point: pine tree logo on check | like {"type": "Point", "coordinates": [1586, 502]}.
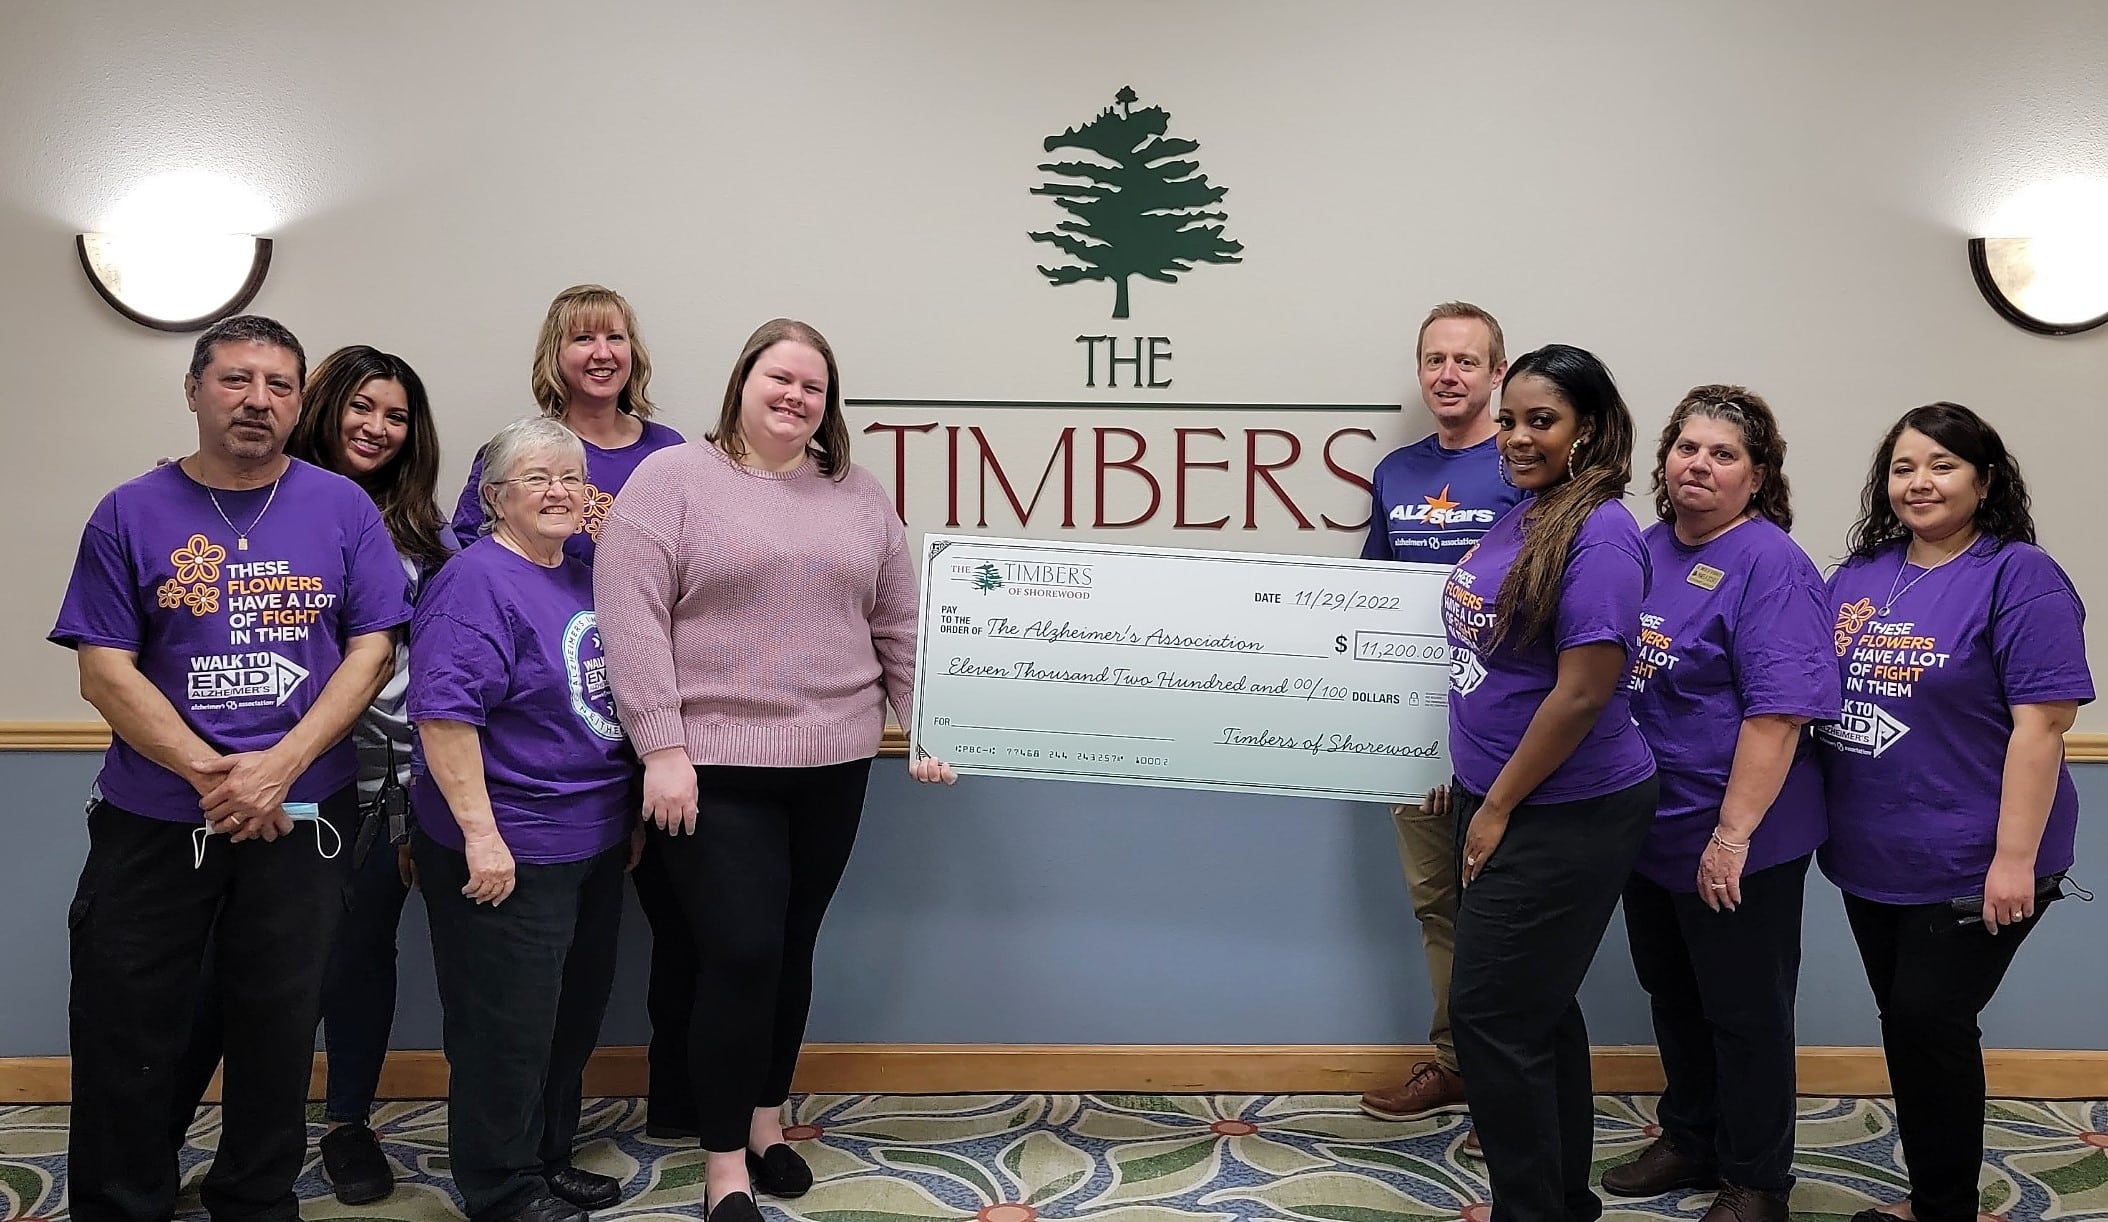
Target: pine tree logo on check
{"type": "Point", "coordinates": [1141, 211]}
{"type": "Point", "coordinates": [987, 577]}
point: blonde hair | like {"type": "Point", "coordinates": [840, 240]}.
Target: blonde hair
{"type": "Point", "coordinates": [574, 307]}
{"type": "Point", "coordinates": [1464, 309]}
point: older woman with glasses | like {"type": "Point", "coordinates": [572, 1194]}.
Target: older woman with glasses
{"type": "Point", "coordinates": [525, 791]}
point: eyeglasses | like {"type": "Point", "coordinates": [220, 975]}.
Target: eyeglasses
{"type": "Point", "coordinates": [539, 483]}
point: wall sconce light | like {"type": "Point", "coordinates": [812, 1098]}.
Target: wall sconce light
{"type": "Point", "coordinates": [175, 282]}
{"type": "Point", "coordinates": [2051, 286]}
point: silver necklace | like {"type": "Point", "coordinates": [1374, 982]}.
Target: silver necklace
{"type": "Point", "coordinates": [241, 537]}
{"type": "Point", "coordinates": [1894, 593]}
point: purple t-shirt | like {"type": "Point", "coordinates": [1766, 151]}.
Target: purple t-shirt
{"type": "Point", "coordinates": [1914, 770]}
{"type": "Point", "coordinates": [502, 643]}
{"type": "Point", "coordinates": [606, 472]}
{"type": "Point", "coordinates": [1494, 693]}
{"type": "Point", "coordinates": [241, 642]}
{"type": "Point", "coordinates": [1432, 504]}
{"type": "Point", "coordinates": [1733, 628]}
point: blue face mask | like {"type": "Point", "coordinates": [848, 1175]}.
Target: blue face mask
{"type": "Point", "coordinates": [298, 812]}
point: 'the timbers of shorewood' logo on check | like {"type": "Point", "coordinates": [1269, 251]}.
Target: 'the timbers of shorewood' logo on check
{"type": "Point", "coordinates": [1143, 210]}
{"type": "Point", "coordinates": [243, 677]}
{"type": "Point", "coordinates": [1022, 578]}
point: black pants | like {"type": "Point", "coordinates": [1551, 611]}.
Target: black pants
{"type": "Point", "coordinates": [140, 924]}
{"type": "Point", "coordinates": [754, 881]}
{"type": "Point", "coordinates": [358, 999]}
{"type": "Point", "coordinates": [522, 989]}
{"type": "Point", "coordinates": [669, 996]}
{"type": "Point", "coordinates": [1723, 987]}
{"type": "Point", "coordinates": [1527, 930]}
{"type": "Point", "coordinates": [1931, 979]}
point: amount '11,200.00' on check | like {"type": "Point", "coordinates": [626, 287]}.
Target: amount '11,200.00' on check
{"type": "Point", "coordinates": [1294, 675]}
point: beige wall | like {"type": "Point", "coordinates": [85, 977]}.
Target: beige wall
{"type": "Point", "coordinates": [1775, 194]}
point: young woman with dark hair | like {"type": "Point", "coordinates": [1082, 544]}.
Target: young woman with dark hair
{"type": "Point", "coordinates": [1962, 651]}
{"type": "Point", "coordinates": [1554, 789]}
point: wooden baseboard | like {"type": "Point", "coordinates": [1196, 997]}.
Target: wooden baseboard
{"type": "Point", "coordinates": [935, 1069]}
{"type": "Point", "coordinates": [94, 736]}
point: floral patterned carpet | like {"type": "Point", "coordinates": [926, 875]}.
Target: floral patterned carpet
{"type": "Point", "coordinates": [1141, 1158]}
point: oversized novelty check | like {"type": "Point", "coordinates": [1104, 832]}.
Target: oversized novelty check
{"type": "Point", "coordinates": [1207, 670]}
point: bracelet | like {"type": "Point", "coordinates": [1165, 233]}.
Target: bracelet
{"type": "Point", "coordinates": [1729, 845]}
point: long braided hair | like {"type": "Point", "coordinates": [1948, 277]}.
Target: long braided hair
{"type": "Point", "coordinates": [1599, 468]}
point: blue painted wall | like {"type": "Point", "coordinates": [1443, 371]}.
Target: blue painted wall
{"type": "Point", "coordinates": [1027, 912]}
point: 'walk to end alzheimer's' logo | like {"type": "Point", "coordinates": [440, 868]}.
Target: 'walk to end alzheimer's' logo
{"type": "Point", "coordinates": [1142, 211]}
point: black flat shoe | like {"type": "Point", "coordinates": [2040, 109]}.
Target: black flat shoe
{"type": "Point", "coordinates": [353, 1164]}
{"type": "Point", "coordinates": [779, 1171]}
{"type": "Point", "coordinates": [585, 1189]}
{"type": "Point", "coordinates": [540, 1207]}
{"type": "Point", "coordinates": [738, 1207]}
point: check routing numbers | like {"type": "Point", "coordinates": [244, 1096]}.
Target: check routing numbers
{"type": "Point", "coordinates": [1158, 666]}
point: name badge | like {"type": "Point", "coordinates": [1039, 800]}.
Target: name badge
{"type": "Point", "coordinates": [1705, 577]}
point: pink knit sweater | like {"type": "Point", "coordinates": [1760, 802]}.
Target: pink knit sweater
{"type": "Point", "coordinates": [753, 617]}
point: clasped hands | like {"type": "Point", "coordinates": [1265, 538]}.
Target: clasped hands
{"type": "Point", "coordinates": [242, 794]}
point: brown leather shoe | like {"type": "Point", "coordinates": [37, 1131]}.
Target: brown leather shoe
{"type": "Point", "coordinates": [1430, 1090]}
{"type": "Point", "coordinates": [1470, 1148]}
{"type": "Point", "coordinates": [1659, 1169]}
{"type": "Point", "coordinates": [1738, 1204]}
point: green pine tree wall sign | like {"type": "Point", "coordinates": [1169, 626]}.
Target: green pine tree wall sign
{"type": "Point", "coordinates": [1147, 213]}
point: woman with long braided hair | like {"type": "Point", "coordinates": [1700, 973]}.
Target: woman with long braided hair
{"type": "Point", "coordinates": [1554, 789]}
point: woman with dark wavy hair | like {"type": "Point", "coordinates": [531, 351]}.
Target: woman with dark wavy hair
{"type": "Point", "coordinates": [1731, 666]}
{"type": "Point", "coordinates": [1952, 816]}
{"type": "Point", "coordinates": [1554, 787]}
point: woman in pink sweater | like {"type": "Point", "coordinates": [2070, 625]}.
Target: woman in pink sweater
{"type": "Point", "coordinates": [757, 606]}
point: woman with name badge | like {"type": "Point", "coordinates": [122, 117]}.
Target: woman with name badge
{"type": "Point", "coordinates": [525, 791]}
{"type": "Point", "coordinates": [365, 416]}
{"type": "Point", "coordinates": [1952, 816]}
{"type": "Point", "coordinates": [758, 601]}
{"type": "Point", "coordinates": [593, 373]}
{"type": "Point", "coordinates": [1731, 665]}
{"type": "Point", "coordinates": [1554, 788]}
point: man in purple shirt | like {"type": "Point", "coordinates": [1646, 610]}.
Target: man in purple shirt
{"type": "Point", "coordinates": [230, 649]}
{"type": "Point", "coordinates": [1433, 499]}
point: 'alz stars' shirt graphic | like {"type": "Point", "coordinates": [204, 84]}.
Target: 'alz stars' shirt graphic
{"type": "Point", "coordinates": [1429, 505]}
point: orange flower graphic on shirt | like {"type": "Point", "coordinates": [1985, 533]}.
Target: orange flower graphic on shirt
{"type": "Point", "coordinates": [203, 600]}
{"type": "Point", "coordinates": [197, 560]}
{"type": "Point", "coordinates": [1851, 617]}
{"type": "Point", "coordinates": [169, 595]}
{"type": "Point", "coordinates": [597, 505]}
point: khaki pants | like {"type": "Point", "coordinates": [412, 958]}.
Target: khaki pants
{"type": "Point", "coordinates": [1427, 845]}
